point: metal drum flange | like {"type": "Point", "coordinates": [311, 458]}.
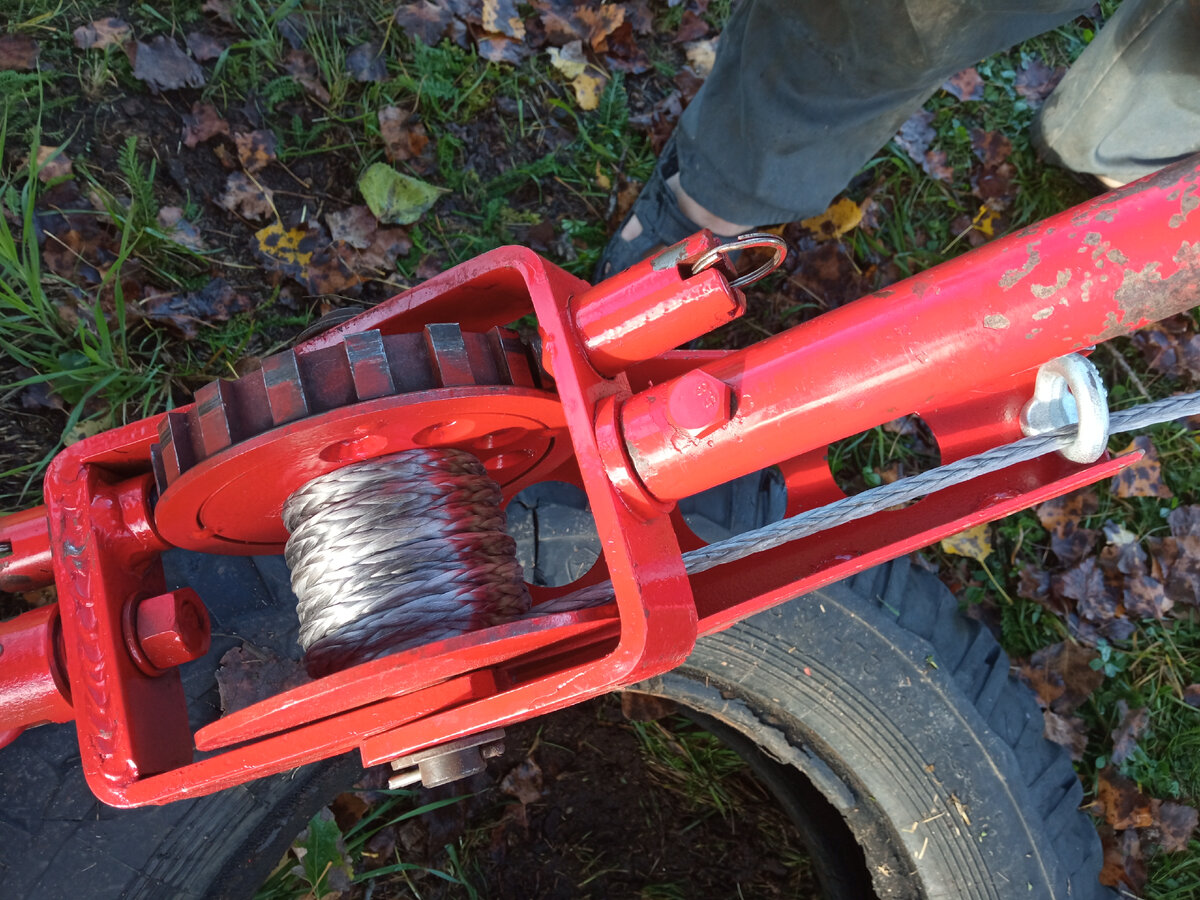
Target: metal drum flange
{"type": "Point", "coordinates": [225, 465]}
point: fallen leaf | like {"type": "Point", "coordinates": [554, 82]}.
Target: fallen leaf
{"type": "Point", "coordinates": [1071, 542]}
{"type": "Point", "coordinates": [348, 810]}
{"type": "Point", "coordinates": [623, 52]}
{"type": "Point", "coordinates": [324, 862]}
{"type": "Point", "coordinates": [355, 226]}
{"type": "Point", "coordinates": [103, 33]}
{"type": "Point", "coordinates": [52, 163]}
{"type": "Point", "coordinates": [217, 301]}
{"type": "Point", "coordinates": [569, 59]}
{"type": "Point", "coordinates": [974, 542]}
{"type": "Point", "coordinates": [394, 197]}
{"type": "Point", "coordinates": [638, 707]}
{"type": "Point", "coordinates": [566, 21]}
{"type": "Point", "coordinates": [502, 49]}
{"type": "Point", "coordinates": [386, 247]}
{"type": "Point", "coordinates": [589, 87]}
{"type": "Point", "coordinates": [965, 85]}
{"type": "Point", "coordinates": [163, 66]}
{"type": "Point", "coordinates": [501, 17]}
{"type": "Point", "coordinates": [524, 782]}
{"type": "Point", "coordinates": [701, 56]}
{"type": "Point", "coordinates": [1035, 81]}
{"type": "Point", "coordinates": [1084, 583]}
{"type": "Point", "coordinates": [18, 52]}
{"type": "Point", "coordinates": [1068, 508]}
{"type": "Point", "coordinates": [301, 65]}
{"type": "Point", "coordinates": [1142, 478]}
{"type": "Point", "coordinates": [256, 149]}
{"type": "Point", "coordinates": [1062, 676]}
{"type": "Point", "coordinates": [692, 27]}
{"type": "Point", "coordinates": [247, 198]}
{"type": "Point", "coordinates": [202, 123]}
{"type": "Point", "coordinates": [1146, 598]}
{"type": "Point", "coordinates": [426, 21]}
{"type": "Point", "coordinates": [179, 230]}
{"type": "Point", "coordinates": [366, 63]}
{"type": "Point", "coordinates": [1123, 864]}
{"type": "Point", "coordinates": [289, 250]}
{"type": "Point", "coordinates": [991, 147]}
{"type": "Point", "coordinates": [916, 134]}
{"type": "Point", "coordinates": [841, 218]}
{"type": "Point", "coordinates": [936, 165]}
{"type": "Point", "coordinates": [1174, 824]}
{"type": "Point", "coordinates": [1126, 734]}
{"type": "Point", "coordinates": [222, 9]}
{"type": "Point", "coordinates": [1184, 521]}
{"type": "Point", "coordinates": [1120, 802]}
{"type": "Point", "coordinates": [404, 136]}
{"type": "Point", "coordinates": [1066, 731]}
{"type": "Point", "coordinates": [204, 46]}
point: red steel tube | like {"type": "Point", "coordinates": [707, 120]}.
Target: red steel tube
{"type": "Point", "coordinates": [1094, 272]}
{"type": "Point", "coordinates": [33, 683]}
{"type": "Point", "coordinates": [25, 562]}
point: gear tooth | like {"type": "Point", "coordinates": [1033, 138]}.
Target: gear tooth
{"type": "Point", "coordinates": [212, 415]}
{"type": "Point", "coordinates": [369, 368]}
{"type": "Point", "coordinates": [253, 413]}
{"type": "Point", "coordinates": [409, 362]}
{"type": "Point", "coordinates": [157, 467]}
{"type": "Point", "coordinates": [327, 378]}
{"type": "Point", "coordinates": [448, 353]}
{"type": "Point", "coordinates": [511, 358]}
{"type": "Point", "coordinates": [286, 398]}
{"type": "Point", "coordinates": [176, 451]}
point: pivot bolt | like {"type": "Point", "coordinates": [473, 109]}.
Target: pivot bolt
{"type": "Point", "coordinates": [448, 762]}
{"type": "Point", "coordinates": [172, 628]}
{"type": "Point", "coordinates": [699, 403]}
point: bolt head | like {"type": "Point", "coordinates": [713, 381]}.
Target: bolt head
{"type": "Point", "coordinates": [173, 628]}
{"type": "Point", "coordinates": [699, 403]}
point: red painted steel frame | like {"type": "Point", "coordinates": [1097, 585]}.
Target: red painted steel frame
{"type": "Point", "coordinates": [955, 344]}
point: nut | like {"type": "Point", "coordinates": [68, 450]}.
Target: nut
{"type": "Point", "coordinates": [173, 628]}
{"type": "Point", "coordinates": [699, 403]}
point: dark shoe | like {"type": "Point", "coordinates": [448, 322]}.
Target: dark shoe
{"type": "Point", "coordinates": [658, 211]}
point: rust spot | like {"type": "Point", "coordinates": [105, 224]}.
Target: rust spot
{"type": "Point", "coordinates": [1188, 202]}
{"type": "Point", "coordinates": [1146, 296]}
{"type": "Point", "coordinates": [1046, 291]}
{"type": "Point", "coordinates": [1012, 276]}
{"type": "Point", "coordinates": [1106, 215]}
{"type": "Point", "coordinates": [1092, 238]}
{"type": "Point", "coordinates": [996, 321]}
{"type": "Point", "coordinates": [1118, 257]}
{"type": "Point", "coordinates": [1043, 313]}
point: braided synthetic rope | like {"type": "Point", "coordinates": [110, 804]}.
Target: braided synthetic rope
{"type": "Point", "coordinates": [886, 496]}
{"type": "Point", "coordinates": [396, 552]}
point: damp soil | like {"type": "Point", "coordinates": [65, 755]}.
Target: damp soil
{"type": "Point", "coordinates": [577, 808]}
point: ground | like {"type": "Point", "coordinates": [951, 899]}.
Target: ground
{"type": "Point", "coordinates": [173, 215]}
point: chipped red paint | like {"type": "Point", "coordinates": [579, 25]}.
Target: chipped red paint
{"type": "Point", "coordinates": [958, 344]}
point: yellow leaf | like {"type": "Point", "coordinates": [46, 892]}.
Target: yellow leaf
{"type": "Point", "coordinates": [843, 216]}
{"type": "Point", "coordinates": [985, 221]}
{"type": "Point", "coordinates": [588, 88]}
{"type": "Point", "coordinates": [569, 60]}
{"type": "Point", "coordinates": [974, 542]}
{"type": "Point", "coordinates": [701, 55]}
{"type": "Point", "coordinates": [291, 249]}
{"type": "Point", "coordinates": [602, 180]}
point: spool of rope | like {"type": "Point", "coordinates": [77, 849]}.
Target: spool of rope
{"type": "Point", "coordinates": [395, 552]}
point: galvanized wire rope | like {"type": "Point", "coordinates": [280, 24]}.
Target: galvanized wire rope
{"type": "Point", "coordinates": [395, 552]}
{"type": "Point", "coordinates": [886, 496]}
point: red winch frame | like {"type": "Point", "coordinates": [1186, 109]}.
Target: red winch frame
{"type": "Point", "coordinates": [636, 423]}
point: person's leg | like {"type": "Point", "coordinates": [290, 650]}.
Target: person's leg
{"type": "Point", "coordinates": [1131, 103]}
{"type": "Point", "coordinates": [802, 94]}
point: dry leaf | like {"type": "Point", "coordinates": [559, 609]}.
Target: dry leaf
{"type": "Point", "coordinates": [701, 56]}
{"type": "Point", "coordinates": [180, 230]}
{"type": "Point", "coordinates": [366, 63]}
{"type": "Point", "coordinates": [355, 226]}
{"type": "Point", "coordinates": [991, 147]}
{"type": "Point", "coordinates": [301, 65]}
{"type": "Point", "coordinates": [204, 46]}
{"type": "Point", "coordinates": [52, 163]}
{"type": "Point", "coordinates": [1142, 478]}
{"type": "Point", "coordinates": [1174, 824]}
{"type": "Point", "coordinates": [524, 782]}
{"type": "Point", "coordinates": [1061, 675]}
{"type": "Point", "coordinates": [1066, 731]}
{"type": "Point", "coordinates": [1120, 802]}
{"type": "Point", "coordinates": [18, 52]}
{"type": "Point", "coordinates": [841, 218]}
{"type": "Point", "coordinates": [256, 149]}
{"type": "Point", "coordinates": [247, 198]}
{"type": "Point", "coordinates": [202, 123]}
{"type": "Point", "coordinates": [404, 136]}
{"type": "Point", "coordinates": [426, 21]}
{"type": "Point", "coordinates": [222, 9]}
{"type": "Point", "coordinates": [217, 301]}
{"type": "Point", "coordinates": [1126, 734]}
{"type": "Point", "coordinates": [103, 33]}
{"type": "Point", "coordinates": [974, 542]}
{"type": "Point", "coordinates": [965, 85]}
{"type": "Point", "coordinates": [501, 17]}
{"type": "Point", "coordinates": [163, 66]}
{"type": "Point", "coordinates": [1035, 81]}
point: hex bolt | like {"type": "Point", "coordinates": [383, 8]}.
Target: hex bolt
{"type": "Point", "coordinates": [172, 628]}
{"type": "Point", "coordinates": [699, 403]}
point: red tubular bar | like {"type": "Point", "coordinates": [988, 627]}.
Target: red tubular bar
{"type": "Point", "coordinates": [1113, 265]}
{"type": "Point", "coordinates": [33, 685]}
{"type": "Point", "coordinates": [25, 564]}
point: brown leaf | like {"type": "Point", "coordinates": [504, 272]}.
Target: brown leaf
{"type": "Point", "coordinates": [1084, 583]}
{"type": "Point", "coordinates": [388, 244]}
{"type": "Point", "coordinates": [1035, 81]}
{"type": "Point", "coordinates": [645, 707]}
{"type": "Point", "coordinates": [180, 230]}
{"type": "Point", "coordinates": [1146, 598]}
{"type": "Point", "coordinates": [692, 27]}
{"type": "Point", "coordinates": [204, 46]}
{"type": "Point", "coordinates": [1174, 824]}
{"type": "Point", "coordinates": [202, 123]}
{"type": "Point", "coordinates": [301, 65]}
{"type": "Point", "coordinates": [330, 271]}
{"type": "Point", "coordinates": [566, 21]}
{"type": "Point", "coordinates": [103, 33]}
{"type": "Point", "coordinates": [1033, 583]}
{"type": "Point", "coordinates": [1123, 864]}
{"type": "Point", "coordinates": [936, 165]}
{"type": "Point", "coordinates": [1062, 676]}
{"type": "Point", "coordinates": [426, 20]}
{"type": "Point", "coordinates": [52, 163]}
{"type": "Point", "coordinates": [366, 63]}
{"type": "Point", "coordinates": [624, 53]}
{"type": "Point", "coordinates": [256, 149]}
{"type": "Point", "coordinates": [524, 782]}
{"type": "Point", "coordinates": [163, 66]}
{"type": "Point", "coordinates": [1071, 543]}
{"type": "Point", "coordinates": [1069, 508]}
{"type": "Point", "coordinates": [1142, 478]}
{"type": "Point", "coordinates": [501, 17]}
{"type": "Point", "coordinates": [500, 48]}
{"type": "Point", "coordinates": [403, 134]}
{"type": "Point", "coordinates": [217, 301]}
{"type": "Point", "coordinates": [995, 187]}
{"type": "Point", "coordinates": [1066, 731]}
{"type": "Point", "coordinates": [18, 52]}
{"type": "Point", "coordinates": [222, 9]}
{"type": "Point", "coordinates": [1120, 802]}
{"type": "Point", "coordinates": [965, 85]}
{"type": "Point", "coordinates": [991, 147]}
{"type": "Point", "coordinates": [248, 674]}
{"type": "Point", "coordinates": [1184, 521]}
{"type": "Point", "coordinates": [1126, 734]}
{"type": "Point", "coordinates": [247, 198]}
{"type": "Point", "coordinates": [355, 226]}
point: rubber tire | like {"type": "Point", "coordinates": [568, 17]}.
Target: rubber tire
{"type": "Point", "coordinates": [868, 707]}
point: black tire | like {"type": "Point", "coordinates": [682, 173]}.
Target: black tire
{"type": "Point", "coordinates": [867, 707]}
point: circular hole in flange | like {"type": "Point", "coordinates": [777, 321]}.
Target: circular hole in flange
{"type": "Point", "coordinates": [354, 449]}
{"type": "Point", "coordinates": [742, 504]}
{"type": "Point", "coordinates": [444, 432]}
{"type": "Point", "coordinates": [897, 449]}
{"type": "Point", "coordinates": [556, 536]}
